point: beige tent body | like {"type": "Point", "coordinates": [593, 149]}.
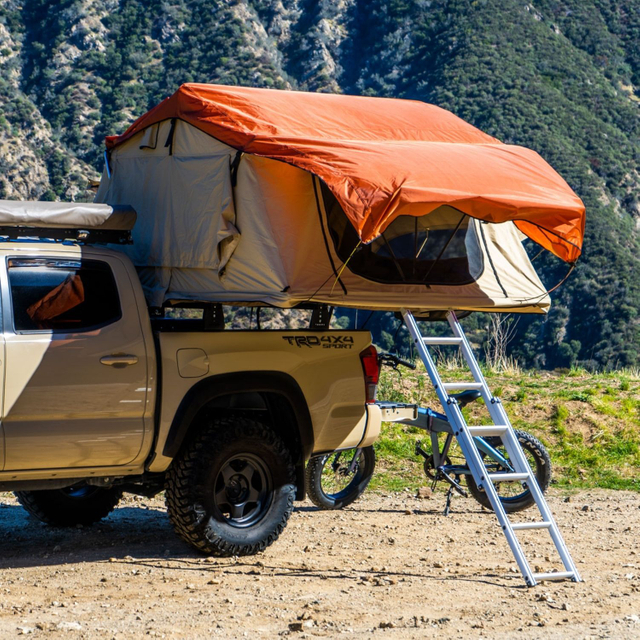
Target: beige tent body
{"type": "Point", "coordinates": [218, 225]}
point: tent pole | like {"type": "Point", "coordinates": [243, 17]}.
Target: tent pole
{"type": "Point", "coordinates": [453, 233]}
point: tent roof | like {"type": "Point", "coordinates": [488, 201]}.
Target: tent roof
{"type": "Point", "coordinates": [381, 155]}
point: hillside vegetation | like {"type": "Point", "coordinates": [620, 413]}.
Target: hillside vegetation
{"type": "Point", "coordinates": [560, 76]}
{"type": "Point", "coordinates": [589, 423]}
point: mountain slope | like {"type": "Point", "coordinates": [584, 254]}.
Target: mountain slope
{"type": "Point", "coordinates": [33, 162]}
{"type": "Point", "coordinates": [560, 77]}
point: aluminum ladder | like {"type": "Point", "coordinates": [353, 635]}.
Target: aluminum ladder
{"type": "Point", "coordinates": [501, 427]}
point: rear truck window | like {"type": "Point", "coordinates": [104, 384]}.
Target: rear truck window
{"type": "Point", "coordinates": [62, 295]}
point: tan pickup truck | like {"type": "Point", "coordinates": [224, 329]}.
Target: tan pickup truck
{"type": "Point", "coordinates": [99, 398]}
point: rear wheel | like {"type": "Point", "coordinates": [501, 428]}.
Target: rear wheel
{"type": "Point", "coordinates": [80, 504]}
{"type": "Point", "coordinates": [231, 490]}
{"type": "Point", "coordinates": [513, 495]}
{"type": "Point", "coordinates": [335, 480]}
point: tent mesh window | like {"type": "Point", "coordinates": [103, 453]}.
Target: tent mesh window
{"type": "Point", "coordinates": [441, 248]}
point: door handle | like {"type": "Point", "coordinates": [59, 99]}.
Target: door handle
{"type": "Point", "coordinates": [122, 360]}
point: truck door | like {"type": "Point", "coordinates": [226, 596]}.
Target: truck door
{"type": "Point", "coordinates": [76, 365]}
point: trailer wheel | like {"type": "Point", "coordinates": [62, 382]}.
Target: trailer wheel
{"type": "Point", "coordinates": [80, 504]}
{"type": "Point", "coordinates": [230, 491]}
{"type": "Point", "coordinates": [513, 495]}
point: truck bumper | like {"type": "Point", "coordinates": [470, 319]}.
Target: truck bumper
{"type": "Point", "coordinates": [374, 422]}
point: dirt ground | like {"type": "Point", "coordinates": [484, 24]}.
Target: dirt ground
{"type": "Point", "coordinates": [389, 566]}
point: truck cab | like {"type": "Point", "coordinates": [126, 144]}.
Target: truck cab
{"type": "Point", "coordinates": [100, 398]}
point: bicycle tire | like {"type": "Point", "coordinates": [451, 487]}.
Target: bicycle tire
{"type": "Point", "coordinates": [316, 471]}
{"type": "Point", "coordinates": [532, 446]}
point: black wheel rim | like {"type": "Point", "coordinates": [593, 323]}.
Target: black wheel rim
{"type": "Point", "coordinates": [242, 490]}
{"type": "Point", "coordinates": [336, 479]}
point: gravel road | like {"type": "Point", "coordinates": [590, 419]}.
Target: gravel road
{"type": "Point", "coordinates": [389, 566]}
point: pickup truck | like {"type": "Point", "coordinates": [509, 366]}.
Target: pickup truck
{"type": "Point", "coordinates": [102, 397]}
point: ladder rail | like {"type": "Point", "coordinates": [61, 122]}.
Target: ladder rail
{"type": "Point", "coordinates": [499, 416]}
{"type": "Point", "coordinates": [543, 507]}
{"type": "Point", "coordinates": [493, 404]}
{"type": "Point", "coordinates": [454, 415]}
{"type": "Point", "coordinates": [464, 436]}
{"type": "Point", "coordinates": [490, 401]}
{"type": "Point", "coordinates": [470, 453]}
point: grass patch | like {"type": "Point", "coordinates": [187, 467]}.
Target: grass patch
{"type": "Point", "coordinates": [589, 422]}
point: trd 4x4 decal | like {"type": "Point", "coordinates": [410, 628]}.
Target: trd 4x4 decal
{"type": "Point", "coordinates": [326, 342]}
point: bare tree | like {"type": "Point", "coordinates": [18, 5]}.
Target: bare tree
{"type": "Point", "coordinates": [500, 332]}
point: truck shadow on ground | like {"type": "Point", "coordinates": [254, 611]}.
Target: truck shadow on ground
{"type": "Point", "coordinates": [141, 537]}
{"type": "Point", "coordinates": [128, 531]}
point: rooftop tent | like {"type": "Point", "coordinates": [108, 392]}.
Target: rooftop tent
{"type": "Point", "coordinates": [270, 197]}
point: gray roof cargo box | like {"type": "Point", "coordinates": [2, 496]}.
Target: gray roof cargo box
{"type": "Point", "coordinates": [70, 215]}
{"type": "Point", "coordinates": [78, 221]}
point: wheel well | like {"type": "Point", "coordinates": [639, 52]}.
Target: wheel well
{"type": "Point", "coordinates": [266, 406]}
{"type": "Point", "coordinates": [272, 397]}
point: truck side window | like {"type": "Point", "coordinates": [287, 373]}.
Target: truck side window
{"type": "Point", "coordinates": [60, 295]}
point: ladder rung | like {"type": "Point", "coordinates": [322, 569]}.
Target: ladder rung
{"type": "Point", "coordinates": [441, 341]}
{"type": "Point", "coordinates": [453, 386]}
{"type": "Point", "coordinates": [508, 477]}
{"type": "Point", "coordinates": [557, 575]}
{"type": "Point", "coordinates": [530, 525]}
{"type": "Point", "coordinates": [490, 430]}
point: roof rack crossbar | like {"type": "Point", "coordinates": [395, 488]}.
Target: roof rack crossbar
{"type": "Point", "coordinates": [83, 236]}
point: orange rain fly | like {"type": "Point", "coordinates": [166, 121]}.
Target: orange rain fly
{"type": "Point", "coordinates": [379, 155]}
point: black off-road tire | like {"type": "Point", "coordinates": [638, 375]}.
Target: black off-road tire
{"type": "Point", "coordinates": [80, 504]}
{"type": "Point", "coordinates": [534, 448]}
{"type": "Point", "coordinates": [232, 461]}
{"type": "Point", "coordinates": [321, 495]}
